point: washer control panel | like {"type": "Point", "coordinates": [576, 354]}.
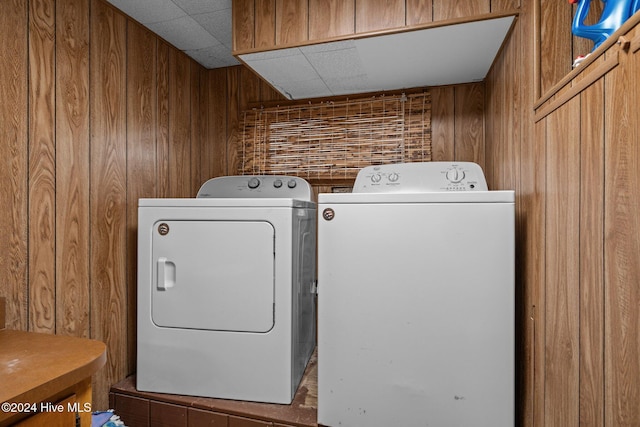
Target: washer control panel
{"type": "Point", "coordinates": [256, 186]}
{"type": "Point", "coordinates": [425, 177]}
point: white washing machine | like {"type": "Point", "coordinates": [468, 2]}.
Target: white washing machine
{"type": "Point", "coordinates": [416, 299]}
{"type": "Point", "coordinates": [226, 289]}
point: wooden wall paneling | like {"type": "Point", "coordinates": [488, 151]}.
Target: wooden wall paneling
{"type": "Point", "coordinates": [555, 42]}
{"type": "Point", "coordinates": [249, 89]}
{"type": "Point", "coordinates": [162, 132]}
{"type": "Point", "coordinates": [243, 21]}
{"type": "Point", "coordinates": [328, 18]}
{"type": "Point", "coordinates": [292, 21]}
{"type": "Point", "coordinates": [592, 255]}
{"type": "Point", "coordinates": [214, 146]}
{"type": "Point", "coordinates": [622, 247]}
{"type": "Point", "coordinates": [447, 9]}
{"type": "Point", "coordinates": [233, 118]}
{"type": "Point", "coordinates": [265, 23]}
{"type": "Point", "coordinates": [142, 118]}
{"type": "Point", "coordinates": [419, 12]}
{"type": "Point", "coordinates": [179, 156]}
{"type": "Point", "coordinates": [502, 5]}
{"type": "Point", "coordinates": [108, 194]}
{"type": "Point", "coordinates": [14, 161]}
{"type": "Point", "coordinates": [72, 168]}
{"type": "Point", "coordinates": [442, 123]}
{"type": "Point", "coordinates": [563, 269]}
{"type": "Point", "coordinates": [469, 123]}
{"type": "Point", "coordinates": [533, 268]}
{"type": "Point", "coordinates": [196, 127]}
{"type": "Point", "coordinates": [42, 167]}
{"type": "Point", "coordinates": [374, 15]}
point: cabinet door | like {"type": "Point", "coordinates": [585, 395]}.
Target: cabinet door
{"type": "Point", "coordinates": [54, 418]}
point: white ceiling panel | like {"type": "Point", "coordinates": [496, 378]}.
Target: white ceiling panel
{"type": "Point", "coordinates": [200, 28]}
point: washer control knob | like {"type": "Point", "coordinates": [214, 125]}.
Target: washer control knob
{"type": "Point", "coordinates": [254, 182]}
{"type": "Point", "coordinates": [292, 183]}
{"type": "Point", "coordinates": [277, 183]}
{"type": "Point", "coordinates": [376, 178]}
{"type": "Point", "coordinates": [393, 177]}
{"type": "Point", "coordinates": [455, 175]}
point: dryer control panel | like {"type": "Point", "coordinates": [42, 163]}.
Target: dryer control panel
{"type": "Point", "coordinates": [424, 177]}
{"type": "Point", "coordinates": [256, 186]}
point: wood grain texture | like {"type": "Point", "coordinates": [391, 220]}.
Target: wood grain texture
{"type": "Point", "coordinates": [162, 130]}
{"type": "Point", "coordinates": [142, 120]}
{"type": "Point", "coordinates": [72, 168]}
{"type": "Point", "coordinates": [265, 23]}
{"type": "Point", "coordinates": [592, 176]}
{"type": "Point", "coordinates": [196, 122]}
{"type": "Point", "coordinates": [108, 194]}
{"type": "Point", "coordinates": [42, 167]}
{"type": "Point", "coordinates": [373, 15]}
{"type": "Point", "coordinates": [555, 42]}
{"type": "Point", "coordinates": [442, 123]}
{"type": "Point", "coordinates": [419, 12]}
{"type": "Point", "coordinates": [232, 76]}
{"type": "Point", "coordinates": [13, 160]}
{"type": "Point", "coordinates": [621, 246]}
{"type": "Point", "coordinates": [469, 123]}
{"type": "Point", "coordinates": [178, 166]}
{"type": "Point", "coordinates": [292, 21]}
{"type": "Point", "coordinates": [243, 21]}
{"type": "Point", "coordinates": [563, 267]}
{"type": "Point", "coordinates": [534, 266]}
{"type": "Point", "coordinates": [446, 9]}
{"type": "Point", "coordinates": [214, 146]}
{"type": "Point", "coordinates": [328, 18]}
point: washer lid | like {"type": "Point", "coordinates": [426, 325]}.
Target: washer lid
{"type": "Point", "coordinates": [258, 186]}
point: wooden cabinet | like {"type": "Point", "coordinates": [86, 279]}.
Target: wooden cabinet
{"type": "Point", "coordinates": [46, 379]}
{"type": "Point", "coordinates": [587, 321]}
{"type": "Point", "coordinates": [269, 24]}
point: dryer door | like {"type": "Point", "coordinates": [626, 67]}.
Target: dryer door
{"type": "Point", "coordinates": [213, 275]}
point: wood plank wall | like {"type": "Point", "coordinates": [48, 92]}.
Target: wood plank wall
{"type": "Point", "coordinates": [578, 365]}
{"type": "Point", "coordinates": [97, 112]}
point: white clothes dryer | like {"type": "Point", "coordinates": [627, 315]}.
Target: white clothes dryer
{"type": "Point", "coordinates": [416, 299]}
{"type": "Point", "coordinates": [226, 289]}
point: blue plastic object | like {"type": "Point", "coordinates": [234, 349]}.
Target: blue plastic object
{"type": "Point", "coordinates": [614, 14]}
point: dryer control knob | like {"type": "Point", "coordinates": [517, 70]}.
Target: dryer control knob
{"type": "Point", "coordinates": [393, 177]}
{"type": "Point", "coordinates": [376, 178]}
{"type": "Point", "coordinates": [277, 183]}
{"type": "Point", "coordinates": [292, 184]}
{"type": "Point", "coordinates": [254, 183]}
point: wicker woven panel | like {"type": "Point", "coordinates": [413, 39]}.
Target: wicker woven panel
{"type": "Point", "coordinates": [334, 140]}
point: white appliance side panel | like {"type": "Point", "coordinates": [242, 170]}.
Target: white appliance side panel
{"type": "Point", "coordinates": [213, 275]}
{"type": "Point", "coordinates": [416, 315]}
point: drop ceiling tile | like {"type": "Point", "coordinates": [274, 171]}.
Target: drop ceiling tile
{"type": "Point", "coordinates": [195, 7]}
{"type": "Point", "coordinates": [148, 11]}
{"type": "Point", "coordinates": [184, 33]}
{"type": "Point", "coordinates": [218, 24]}
{"type": "Point", "coordinates": [343, 63]}
{"type": "Point", "coordinates": [213, 57]}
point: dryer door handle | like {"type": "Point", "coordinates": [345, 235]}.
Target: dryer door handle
{"type": "Point", "coordinates": [166, 274]}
